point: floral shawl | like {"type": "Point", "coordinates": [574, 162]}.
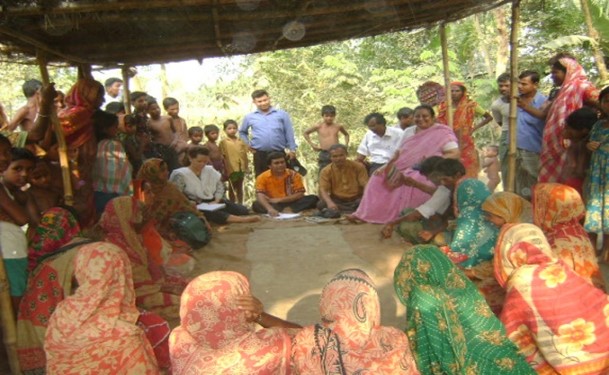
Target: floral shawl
{"type": "Point", "coordinates": [57, 227]}
{"type": "Point", "coordinates": [168, 199]}
{"type": "Point", "coordinates": [557, 319]}
{"type": "Point", "coordinates": [94, 330]}
{"type": "Point", "coordinates": [559, 210]}
{"type": "Point", "coordinates": [450, 327]}
{"type": "Point", "coordinates": [475, 236]}
{"type": "Point", "coordinates": [509, 206]}
{"type": "Point", "coordinates": [214, 337]}
{"type": "Point", "coordinates": [463, 124]}
{"type": "Point", "coordinates": [574, 91]}
{"type": "Point", "coordinates": [118, 222]}
{"type": "Point", "coordinates": [350, 339]}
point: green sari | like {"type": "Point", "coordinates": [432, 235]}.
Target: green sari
{"type": "Point", "coordinates": [450, 327]}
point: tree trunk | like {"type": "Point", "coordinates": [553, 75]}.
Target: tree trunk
{"type": "Point", "coordinates": [164, 83]}
{"type": "Point", "coordinates": [593, 34]}
{"type": "Point", "coordinates": [502, 40]}
{"type": "Point", "coordinates": [483, 47]}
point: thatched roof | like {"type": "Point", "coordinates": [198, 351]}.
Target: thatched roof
{"type": "Point", "coordinates": [114, 32]}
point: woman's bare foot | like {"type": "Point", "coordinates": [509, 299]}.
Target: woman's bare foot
{"type": "Point", "coordinates": [352, 219]}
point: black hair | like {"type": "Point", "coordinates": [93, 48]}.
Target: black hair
{"type": "Point", "coordinates": [136, 95]}
{"type": "Point", "coordinates": [337, 146]}
{"type": "Point", "coordinates": [110, 81]}
{"type": "Point", "coordinates": [504, 77]}
{"type": "Point", "coordinates": [115, 107]}
{"type": "Point", "coordinates": [194, 129]}
{"type": "Point", "coordinates": [210, 128]}
{"type": "Point", "coordinates": [379, 118]}
{"type": "Point", "coordinates": [230, 122]}
{"type": "Point", "coordinates": [102, 121]}
{"type": "Point", "coordinates": [426, 107]}
{"type": "Point", "coordinates": [151, 100]}
{"type": "Point", "coordinates": [167, 102]}
{"type": "Point", "coordinates": [20, 153]}
{"type": "Point", "coordinates": [273, 156]}
{"type": "Point", "coordinates": [530, 73]}
{"type": "Point", "coordinates": [328, 110]}
{"type": "Point", "coordinates": [195, 151]}
{"type": "Point", "coordinates": [581, 119]}
{"type": "Point", "coordinates": [603, 93]}
{"type": "Point", "coordinates": [404, 112]}
{"type": "Point", "coordinates": [428, 165]}
{"type": "Point", "coordinates": [30, 87]}
{"type": "Point", "coordinates": [259, 93]}
{"type": "Point", "coordinates": [5, 140]}
{"type": "Point", "coordinates": [555, 60]}
{"type": "Point", "coordinates": [449, 168]}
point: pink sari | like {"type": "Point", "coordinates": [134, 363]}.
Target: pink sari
{"type": "Point", "coordinates": [382, 204]}
{"type": "Point", "coordinates": [575, 90]}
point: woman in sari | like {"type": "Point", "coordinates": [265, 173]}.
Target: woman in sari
{"type": "Point", "coordinates": [558, 211]}
{"type": "Point", "coordinates": [94, 330]}
{"type": "Point", "coordinates": [574, 92]}
{"type": "Point", "coordinates": [464, 113]}
{"type": "Point", "coordinates": [398, 186]}
{"type": "Point", "coordinates": [350, 338]}
{"type": "Point", "coordinates": [83, 99]}
{"type": "Point", "coordinates": [168, 199]}
{"type": "Point", "coordinates": [120, 222]}
{"type": "Point", "coordinates": [450, 327]}
{"type": "Point", "coordinates": [557, 319]}
{"type": "Point", "coordinates": [217, 332]}
{"type": "Point", "coordinates": [506, 207]}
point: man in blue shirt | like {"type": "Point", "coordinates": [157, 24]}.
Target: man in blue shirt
{"type": "Point", "coordinates": [529, 134]}
{"type": "Point", "coordinates": [272, 130]}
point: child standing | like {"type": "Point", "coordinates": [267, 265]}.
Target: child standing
{"type": "Point", "coordinates": [234, 151]}
{"type": "Point", "coordinates": [15, 205]}
{"type": "Point", "coordinates": [491, 167]}
{"type": "Point", "coordinates": [41, 191]}
{"type": "Point", "coordinates": [212, 132]}
{"type": "Point", "coordinates": [327, 135]}
{"type": "Point", "coordinates": [597, 188]}
{"type": "Point", "coordinates": [26, 115]}
{"type": "Point", "coordinates": [172, 107]}
{"type": "Point", "coordinates": [195, 134]}
{"type": "Point", "coordinates": [577, 130]}
{"type": "Point", "coordinates": [112, 171]}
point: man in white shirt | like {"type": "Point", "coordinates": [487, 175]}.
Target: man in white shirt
{"type": "Point", "coordinates": [379, 143]}
{"type": "Point", "coordinates": [113, 88]}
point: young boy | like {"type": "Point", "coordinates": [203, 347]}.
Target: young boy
{"type": "Point", "coordinates": [577, 130]}
{"type": "Point", "coordinates": [163, 135]}
{"type": "Point", "coordinates": [327, 135]}
{"type": "Point", "coordinates": [41, 191]}
{"type": "Point", "coordinates": [234, 151]}
{"type": "Point", "coordinates": [26, 115]}
{"type": "Point", "coordinates": [212, 132]}
{"type": "Point", "coordinates": [491, 166]}
{"type": "Point", "coordinates": [180, 143]}
{"type": "Point", "coordinates": [195, 135]}
{"type": "Point", "coordinates": [18, 209]}
{"type": "Point", "coordinates": [135, 141]}
{"type": "Point", "coordinates": [405, 118]}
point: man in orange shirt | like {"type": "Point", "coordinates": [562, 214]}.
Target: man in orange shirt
{"type": "Point", "coordinates": [279, 188]}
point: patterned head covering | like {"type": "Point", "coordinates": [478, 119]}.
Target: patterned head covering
{"type": "Point", "coordinates": [214, 336]}
{"type": "Point", "coordinates": [509, 254]}
{"type": "Point", "coordinates": [556, 204]}
{"type": "Point", "coordinates": [350, 339]}
{"type": "Point", "coordinates": [81, 101]}
{"type": "Point", "coordinates": [151, 172]}
{"type": "Point", "coordinates": [475, 236]}
{"type": "Point", "coordinates": [509, 206]}
{"type": "Point", "coordinates": [57, 227]}
{"type": "Point", "coordinates": [451, 328]}
{"type": "Point", "coordinates": [95, 327]}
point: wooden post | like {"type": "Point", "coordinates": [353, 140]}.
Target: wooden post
{"type": "Point", "coordinates": [9, 326]}
{"type": "Point", "coordinates": [511, 177]}
{"type": "Point", "coordinates": [68, 196]}
{"type": "Point", "coordinates": [126, 91]}
{"type": "Point", "coordinates": [593, 34]}
{"type": "Point", "coordinates": [449, 97]}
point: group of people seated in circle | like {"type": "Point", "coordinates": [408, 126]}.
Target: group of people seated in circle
{"type": "Point", "coordinates": [493, 282]}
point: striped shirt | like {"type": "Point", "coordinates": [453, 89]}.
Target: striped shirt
{"type": "Point", "coordinates": [112, 170]}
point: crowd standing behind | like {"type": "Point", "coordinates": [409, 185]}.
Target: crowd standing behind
{"type": "Point", "coordinates": [496, 282]}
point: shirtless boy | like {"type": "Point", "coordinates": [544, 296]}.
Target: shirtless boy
{"type": "Point", "coordinates": [26, 115]}
{"type": "Point", "coordinates": [212, 132]}
{"type": "Point", "coordinates": [163, 135]}
{"type": "Point", "coordinates": [327, 135]}
{"type": "Point", "coordinates": [172, 107]}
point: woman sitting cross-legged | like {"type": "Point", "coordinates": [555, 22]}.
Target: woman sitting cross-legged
{"type": "Point", "coordinates": [350, 339]}
{"type": "Point", "coordinates": [558, 320]}
{"type": "Point", "coordinates": [201, 183]}
{"type": "Point", "coordinates": [217, 330]}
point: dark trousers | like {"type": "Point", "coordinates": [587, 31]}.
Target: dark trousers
{"type": "Point", "coordinates": [373, 167]}
{"type": "Point", "coordinates": [304, 203]}
{"type": "Point", "coordinates": [343, 206]}
{"type": "Point", "coordinates": [221, 216]}
{"type": "Point", "coordinates": [260, 162]}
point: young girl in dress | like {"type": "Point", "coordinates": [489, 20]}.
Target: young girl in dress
{"type": "Point", "coordinates": [597, 189]}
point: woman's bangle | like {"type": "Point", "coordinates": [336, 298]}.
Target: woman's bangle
{"type": "Point", "coordinates": [41, 115]}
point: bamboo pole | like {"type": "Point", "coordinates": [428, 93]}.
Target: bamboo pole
{"type": "Point", "coordinates": [593, 34]}
{"type": "Point", "coordinates": [64, 163]}
{"type": "Point", "coordinates": [446, 67]}
{"type": "Point", "coordinates": [511, 177]}
{"type": "Point", "coordinates": [9, 326]}
{"type": "Point", "coordinates": [126, 90]}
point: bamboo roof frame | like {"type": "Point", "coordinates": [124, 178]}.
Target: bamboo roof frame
{"type": "Point", "coordinates": [111, 33]}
